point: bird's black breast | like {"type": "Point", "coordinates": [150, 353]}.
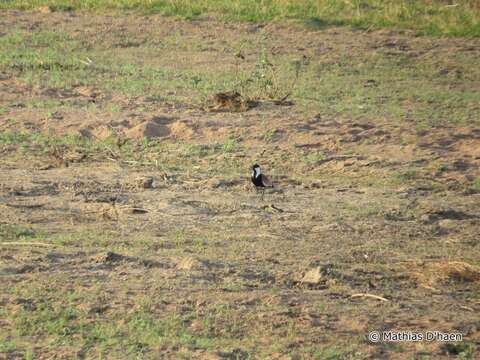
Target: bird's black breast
{"type": "Point", "coordinates": [258, 181]}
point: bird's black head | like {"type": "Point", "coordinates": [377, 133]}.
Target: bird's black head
{"type": "Point", "coordinates": [256, 166]}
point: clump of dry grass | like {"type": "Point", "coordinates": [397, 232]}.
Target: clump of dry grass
{"type": "Point", "coordinates": [432, 274]}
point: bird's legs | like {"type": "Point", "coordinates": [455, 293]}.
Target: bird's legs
{"type": "Point", "coordinates": [261, 191]}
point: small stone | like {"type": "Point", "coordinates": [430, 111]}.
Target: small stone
{"type": "Point", "coordinates": [447, 224]}
{"type": "Point", "coordinates": [44, 9]}
{"type": "Point", "coordinates": [145, 182]}
{"type": "Point", "coordinates": [109, 257]}
{"type": "Point", "coordinates": [135, 210]}
{"type": "Point", "coordinates": [312, 276]}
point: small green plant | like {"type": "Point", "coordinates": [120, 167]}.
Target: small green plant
{"type": "Point", "coordinates": [229, 145]}
{"type": "Point", "coordinates": [313, 157]}
{"type": "Point", "coordinates": [404, 141]}
{"type": "Point", "coordinates": [269, 134]}
{"type": "Point", "coordinates": [408, 175]}
{"type": "Point", "coordinates": [271, 77]}
{"type": "Point", "coordinates": [7, 346]}
{"type": "Point", "coordinates": [114, 107]}
{"type": "Point", "coordinates": [179, 237]}
{"type": "Point", "coordinates": [264, 76]}
{"type": "Point", "coordinates": [473, 187]}
{"type": "Point", "coordinates": [196, 80]}
{"type": "Point", "coordinates": [29, 354]}
{"type": "Point", "coordinates": [199, 243]}
{"type": "Point", "coordinates": [198, 150]}
{"type": "Point", "coordinates": [440, 168]}
{"type": "Point", "coordinates": [423, 126]}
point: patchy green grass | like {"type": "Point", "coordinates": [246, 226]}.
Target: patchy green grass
{"type": "Point", "coordinates": [31, 144]}
{"type": "Point", "coordinates": [15, 232]}
{"type": "Point", "coordinates": [426, 17]}
{"type": "Point", "coordinates": [149, 153]}
{"type": "Point", "coordinates": [387, 87]}
{"type": "Point", "coordinates": [46, 57]}
{"type": "Point", "coordinates": [7, 346]}
{"type": "Point", "coordinates": [58, 318]}
{"type": "Point", "coordinates": [376, 85]}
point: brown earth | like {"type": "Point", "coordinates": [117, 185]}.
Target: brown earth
{"type": "Point", "coordinates": [372, 213]}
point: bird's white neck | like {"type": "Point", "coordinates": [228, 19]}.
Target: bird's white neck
{"type": "Point", "coordinates": [256, 172]}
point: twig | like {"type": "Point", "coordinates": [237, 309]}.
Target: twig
{"type": "Point", "coordinates": [27, 206]}
{"type": "Point", "coordinates": [338, 157]}
{"type": "Point", "coordinates": [371, 296]}
{"type": "Point", "coordinates": [275, 208]}
{"type": "Point", "coordinates": [137, 210]}
{"type": "Point", "coordinates": [113, 153]}
{"type": "Point", "coordinates": [88, 61]}
{"type": "Point", "coordinates": [134, 162]}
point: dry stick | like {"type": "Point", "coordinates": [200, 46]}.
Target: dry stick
{"type": "Point", "coordinates": [88, 62]}
{"type": "Point", "coordinates": [27, 206]}
{"type": "Point", "coordinates": [364, 295]}
{"type": "Point", "coordinates": [138, 162]}
{"type": "Point", "coordinates": [272, 206]}
{"type": "Point", "coordinates": [338, 157]}
{"type": "Point", "coordinates": [137, 210]}
{"type": "Point", "coordinates": [450, 6]}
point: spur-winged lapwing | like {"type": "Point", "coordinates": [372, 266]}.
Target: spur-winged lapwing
{"type": "Point", "coordinates": [260, 180]}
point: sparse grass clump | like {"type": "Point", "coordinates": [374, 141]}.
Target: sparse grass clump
{"type": "Point", "coordinates": [15, 232]}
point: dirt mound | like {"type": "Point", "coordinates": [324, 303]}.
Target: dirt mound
{"type": "Point", "coordinates": [131, 127]}
{"type": "Point", "coordinates": [182, 130]}
{"type": "Point", "coordinates": [149, 130]}
{"type": "Point", "coordinates": [112, 258]}
{"type": "Point", "coordinates": [435, 273]}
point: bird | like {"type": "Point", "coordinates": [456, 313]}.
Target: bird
{"type": "Point", "coordinates": [260, 180]}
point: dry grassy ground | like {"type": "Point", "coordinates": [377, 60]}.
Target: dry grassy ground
{"type": "Point", "coordinates": [375, 154]}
